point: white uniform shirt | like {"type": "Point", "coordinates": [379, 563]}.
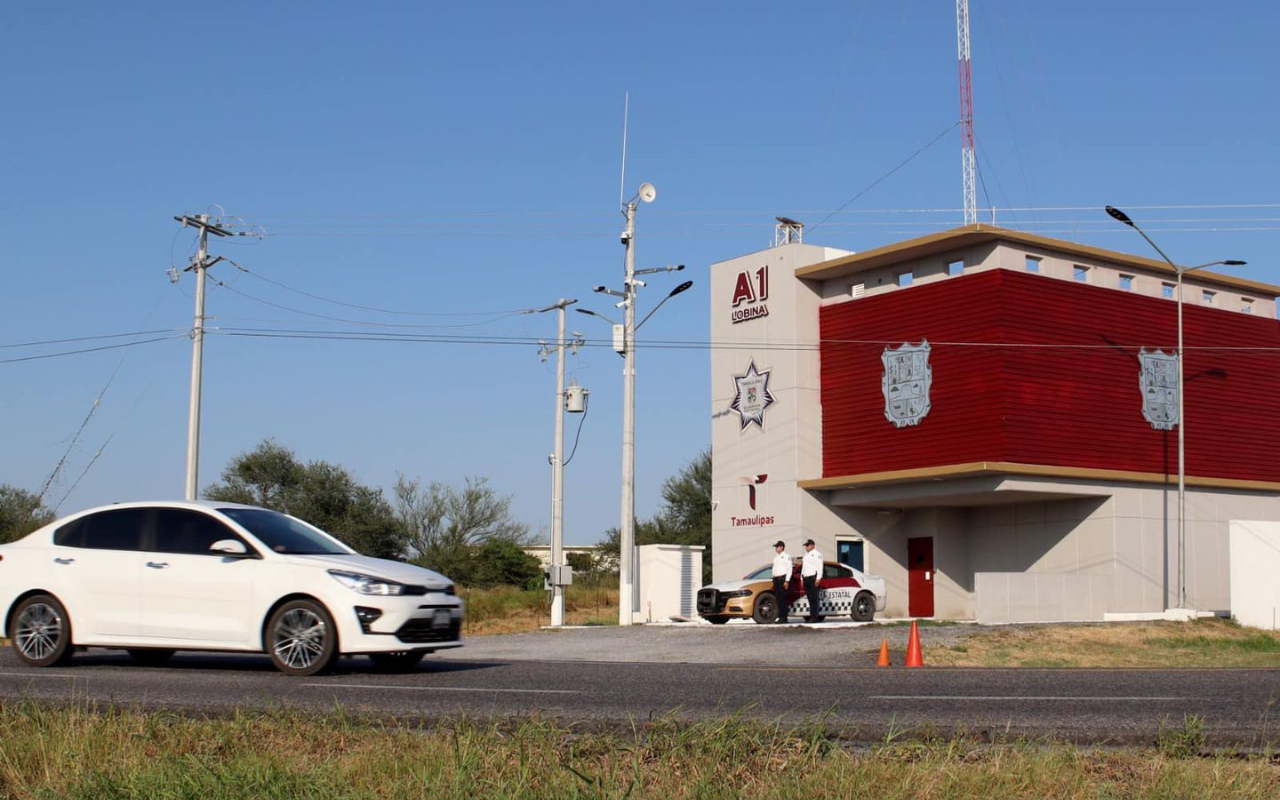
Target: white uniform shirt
{"type": "Point", "coordinates": [782, 565]}
{"type": "Point", "coordinates": [812, 564]}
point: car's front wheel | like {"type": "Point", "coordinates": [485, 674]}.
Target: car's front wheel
{"type": "Point", "coordinates": [766, 609]}
{"type": "Point", "coordinates": [396, 662]}
{"type": "Point", "coordinates": [41, 632]}
{"type": "Point", "coordinates": [864, 607]}
{"type": "Point", "coordinates": [302, 638]}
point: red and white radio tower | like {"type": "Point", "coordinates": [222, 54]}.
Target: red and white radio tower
{"type": "Point", "coordinates": [966, 114]}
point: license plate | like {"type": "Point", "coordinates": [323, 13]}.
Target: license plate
{"type": "Point", "coordinates": [440, 619]}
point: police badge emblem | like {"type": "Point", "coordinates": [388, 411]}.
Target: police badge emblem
{"type": "Point", "coordinates": [905, 383]}
{"type": "Point", "coordinates": [752, 396]}
{"type": "Point", "coordinates": [1160, 384]}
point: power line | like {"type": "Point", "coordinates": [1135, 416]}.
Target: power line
{"type": "Point", "coordinates": [91, 338]}
{"type": "Point", "coordinates": [93, 349]}
{"type": "Point", "coordinates": [304, 293]}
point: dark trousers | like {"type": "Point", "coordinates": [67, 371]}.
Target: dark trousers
{"type": "Point", "coordinates": [780, 592]}
{"type": "Point", "coordinates": [811, 592]}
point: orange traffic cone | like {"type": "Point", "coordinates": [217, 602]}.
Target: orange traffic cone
{"type": "Point", "coordinates": [884, 653]}
{"type": "Point", "coordinates": [914, 657]}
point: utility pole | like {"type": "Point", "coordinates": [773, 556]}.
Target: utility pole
{"type": "Point", "coordinates": [198, 265]}
{"type": "Point", "coordinates": [557, 469]}
{"type": "Point", "coordinates": [627, 589]}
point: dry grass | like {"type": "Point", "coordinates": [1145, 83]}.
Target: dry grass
{"type": "Point", "coordinates": [1202, 643]}
{"type": "Point", "coordinates": [109, 753]}
{"type": "Point", "coordinates": [506, 609]}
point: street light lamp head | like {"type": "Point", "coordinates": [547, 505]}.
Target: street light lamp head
{"type": "Point", "coordinates": [600, 289]}
{"type": "Point", "coordinates": [1117, 214]}
{"type": "Point", "coordinates": [1234, 263]}
{"type": "Point", "coordinates": [681, 288]}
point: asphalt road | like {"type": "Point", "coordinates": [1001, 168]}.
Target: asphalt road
{"type": "Point", "coordinates": [861, 702]}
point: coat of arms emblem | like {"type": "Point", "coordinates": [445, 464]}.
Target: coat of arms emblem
{"type": "Point", "coordinates": [1160, 383]}
{"type": "Point", "coordinates": [906, 381]}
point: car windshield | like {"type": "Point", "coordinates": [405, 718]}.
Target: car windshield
{"type": "Point", "coordinates": [760, 574]}
{"type": "Point", "coordinates": [283, 534]}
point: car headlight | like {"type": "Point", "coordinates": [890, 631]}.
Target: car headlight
{"type": "Point", "coordinates": [367, 584]}
{"type": "Point", "coordinates": [739, 593]}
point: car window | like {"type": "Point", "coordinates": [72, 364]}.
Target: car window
{"type": "Point", "coordinates": [284, 534]}
{"type": "Point", "coordinates": [836, 571]}
{"type": "Point", "coordinates": [71, 534]}
{"type": "Point", "coordinates": [118, 529]}
{"type": "Point", "coordinates": [179, 530]}
{"type": "Point", "coordinates": [760, 574]}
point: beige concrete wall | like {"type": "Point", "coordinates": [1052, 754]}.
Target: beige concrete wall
{"type": "Point", "coordinates": [1255, 562]}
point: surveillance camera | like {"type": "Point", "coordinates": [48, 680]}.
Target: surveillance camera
{"type": "Point", "coordinates": [601, 289]}
{"type": "Point", "coordinates": [625, 237]}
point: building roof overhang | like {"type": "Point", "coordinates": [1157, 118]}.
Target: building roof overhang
{"type": "Point", "coordinates": [999, 482]}
{"type": "Point", "coordinates": [972, 235]}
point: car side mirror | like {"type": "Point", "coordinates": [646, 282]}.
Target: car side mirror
{"type": "Point", "coordinates": [229, 547]}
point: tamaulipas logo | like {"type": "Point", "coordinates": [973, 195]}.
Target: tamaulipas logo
{"type": "Point", "coordinates": [906, 382]}
{"type": "Point", "coordinates": [751, 288]}
{"type": "Point", "coordinates": [1159, 381]}
{"type": "Point", "coordinates": [751, 396]}
{"type": "Point", "coordinates": [756, 520]}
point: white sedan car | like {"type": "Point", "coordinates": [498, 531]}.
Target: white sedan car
{"type": "Point", "coordinates": [153, 578]}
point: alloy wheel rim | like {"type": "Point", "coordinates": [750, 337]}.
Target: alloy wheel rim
{"type": "Point", "coordinates": [864, 605]}
{"type": "Point", "coordinates": [300, 638]}
{"type": "Point", "coordinates": [39, 631]}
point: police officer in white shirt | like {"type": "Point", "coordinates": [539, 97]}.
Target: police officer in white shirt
{"type": "Point", "coordinates": [781, 574]}
{"type": "Point", "coordinates": [811, 572]}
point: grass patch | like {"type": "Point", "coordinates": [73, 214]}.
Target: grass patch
{"type": "Point", "coordinates": [110, 753]}
{"type": "Point", "coordinates": [1200, 643]}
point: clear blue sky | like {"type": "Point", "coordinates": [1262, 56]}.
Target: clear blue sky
{"type": "Point", "coordinates": [464, 157]}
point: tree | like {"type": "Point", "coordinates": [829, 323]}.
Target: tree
{"type": "Point", "coordinates": [21, 512]}
{"type": "Point", "coordinates": [502, 561]}
{"type": "Point", "coordinates": [446, 527]}
{"type": "Point", "coordinates": [321, 493]}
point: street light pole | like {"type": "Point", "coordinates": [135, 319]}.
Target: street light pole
{"type": "Point", "coordinates": [627, 588]}
{"type": "Point", "coordinates": [1179, 271]}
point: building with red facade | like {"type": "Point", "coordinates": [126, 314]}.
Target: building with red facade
{"type": "Point", "coordinates": [988, 419]}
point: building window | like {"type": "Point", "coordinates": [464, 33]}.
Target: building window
{"type": "Point", "coordinates": [1167, 291]}
{"type": "Point", "coordinates": [905, 278]}
{"type": "Point", "coordinates": [1208, 296]}
{"type": "Point", "coordinates": [1246, 305]}
{"type": "Point", "coordinates": [1033, 264]}
{"type": "Point", "coordinates": [1126, 282]}
{"type": "Point", "coordinates": [1080, 273]}
{"type": "Point", "coordinates": [955, 268]}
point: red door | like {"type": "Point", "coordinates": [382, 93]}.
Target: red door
{"type": "Point", "coordinates": [920, 577]}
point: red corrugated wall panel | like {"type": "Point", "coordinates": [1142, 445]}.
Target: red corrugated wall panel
{"type": "Point", "coordinates": [1039, 370]}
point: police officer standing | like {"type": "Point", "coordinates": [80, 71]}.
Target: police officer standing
{"type": "Point", "coordinates": [811, 571]}
{"type": "Point", "coordinates": [781, 574]}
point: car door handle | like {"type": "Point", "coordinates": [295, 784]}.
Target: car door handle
{"type": "Point", "coordinates": [158, 564]}
{"type": "Point", "coordinates": [64, 561]}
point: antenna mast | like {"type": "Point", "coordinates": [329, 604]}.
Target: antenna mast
{"type": "Point", "coordinates": [966, 114]}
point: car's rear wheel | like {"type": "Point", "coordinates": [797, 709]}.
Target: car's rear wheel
{"type": "Point", "coordinates": [302, 638]}
{"type": "Point", "coordinates": [396, 662]}
{"type": "Point", "coordinates": [151, 657]}
{"type": "Point", "coordinates": [716, 620]}
{"type": "Point", "coordinates": [864, 607]}
{"type": "Point", "coordinates": [41, 632]}
{"type": "Point", "coordinates": [766, 609]}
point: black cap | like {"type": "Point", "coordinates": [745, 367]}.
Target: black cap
{"type": "Point", "coordinates": [779, 543]}
{"type": "Point", "coordinates": [808, 542]}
